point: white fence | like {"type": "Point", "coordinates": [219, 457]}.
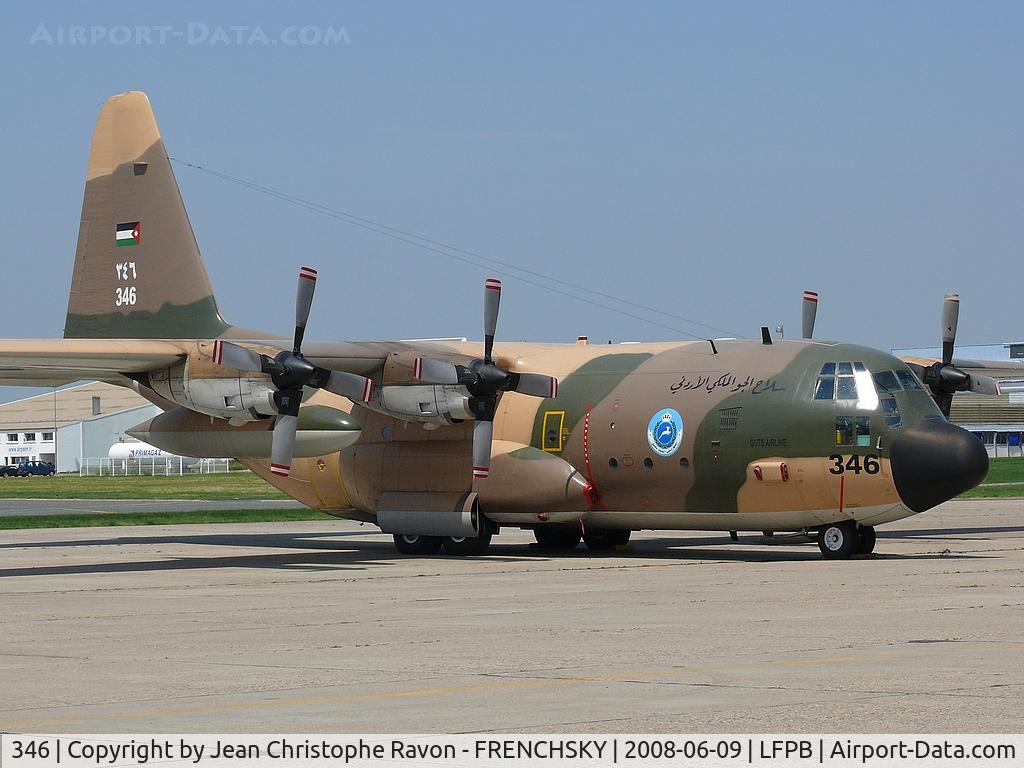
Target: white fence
{"type": "Point", "coordinates": [151, 465]}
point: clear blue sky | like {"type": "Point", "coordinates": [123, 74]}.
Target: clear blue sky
{"type": "Point", "coordinates": [710, 159]}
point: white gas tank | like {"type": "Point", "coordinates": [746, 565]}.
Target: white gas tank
{"type": "Point", "coordinates": [143, 451]}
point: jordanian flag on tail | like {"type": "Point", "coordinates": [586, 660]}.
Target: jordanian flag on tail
{"type": "Point", "coordinates": [130, 234]}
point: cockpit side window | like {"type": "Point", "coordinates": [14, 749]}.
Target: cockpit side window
{"type": "Point", "coordinates": [908, 380]}
{"type": "Point", "coordinates": [886, 382]}
{"type": "Point", "coordinates": [844, 430]}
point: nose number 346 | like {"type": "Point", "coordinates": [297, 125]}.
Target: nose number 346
{"type": "Point", "coordinates": [855, 464]}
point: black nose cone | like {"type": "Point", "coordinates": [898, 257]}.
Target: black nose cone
{"type": "Point", "coordinates": [933, 461]}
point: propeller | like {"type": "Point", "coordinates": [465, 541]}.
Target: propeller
{"type": "Point", "coordinates": [290, 372]}
{"type": "Point", "coordinates": [810, 312]}
{"type": "Point", "coordinates": [943, 378]}
{"type": "Point", "coordinates": [485, 381]}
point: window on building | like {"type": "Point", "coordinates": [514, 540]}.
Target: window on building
{"type": "Point", "coordinates": [30, 437]}
{"type": "Point", "coordinates": [48, 436]}
{"type": "Point", "coordinates": [12, 437]}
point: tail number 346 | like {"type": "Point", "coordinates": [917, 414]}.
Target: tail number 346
{"type": "Point", "coordinates": [855, 464]}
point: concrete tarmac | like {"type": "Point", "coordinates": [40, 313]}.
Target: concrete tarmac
{"type": "Point", "coordinates": [18, 507]}
{"type": "Point", "coordinates": [297, 627]}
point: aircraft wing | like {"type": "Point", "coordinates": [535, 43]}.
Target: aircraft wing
{"type": "Point", "coordinates": [50, 362]}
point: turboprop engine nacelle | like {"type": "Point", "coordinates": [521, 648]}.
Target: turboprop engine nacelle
{"type": "Point", "coordinates": [437, 404]}
{"type": "Point", "coordinates": [241, 397]}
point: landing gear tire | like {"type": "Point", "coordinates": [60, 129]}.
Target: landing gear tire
{"type": "Point", "coordinates": [839, 540]}
{"type": "Point", "coordinates": [417, 545]}
{"type": "Point", "coordinates": [603, 540]}
{"type": "Point", "coordinates": [866, 540]}
{"type": "Point", "coordinates": [556, 539]}
{"type": "Point", "coordinates": [470, 545]}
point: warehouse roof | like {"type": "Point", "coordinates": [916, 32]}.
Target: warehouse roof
{"type": "Point", "coordinates": [73, 404]}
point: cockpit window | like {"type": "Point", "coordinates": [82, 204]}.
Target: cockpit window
{"type": "Point", "coordinates": [838, 381]}
{"type": "Point", "coordinates": [853, 431]}
{"type": "Point", "coordinates": [826, 388]}
{"type": "Point", "coordinates": [891, 411]}
{"type": "Point", "coordinates": [846, 387]}
{"type": "Point", "coordinates": [908, 380]}
{"type": "Point", "coordinates": [886, 381]}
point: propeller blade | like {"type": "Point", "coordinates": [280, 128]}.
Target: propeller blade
{"type": "Point", "coordinates": [482, 431]}
{"type": "Point", "coordinates": [810, 312]}
{"type": "Point", "coordinates": [950, 317]}
{"type": "Point", "coordinates": [303, 303]}
{"type": "Point", "coordinates": [536, 384]}
{"type": "Point", "coordinates": [434, 371]}
{"type": "Point", "coordinates": [282, 446]}
{"type": "Point", "coordinates": [492, 298]}
{"type": "Point", "coordinates": [984, 385]}
{"type": "Point", "coordinates": [356, 388]}
{"type": "Point", "coordinates": [233, 356]}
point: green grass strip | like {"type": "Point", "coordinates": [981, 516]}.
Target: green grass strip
{"type": "Point", "coordinates": [90, 520]}
{"type": "Point", "coordinates": [995, 492]}
{"type": "Point", "coordinates": [217, 487]}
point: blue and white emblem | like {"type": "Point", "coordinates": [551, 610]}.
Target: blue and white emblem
{"type": "Point", "coordinates": [665, 432]}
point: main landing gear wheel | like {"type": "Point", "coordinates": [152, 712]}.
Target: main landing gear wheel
{"type": "Point", "coordinates": [470, 545]}
{"type": "Point", "coordinates": [417, 545]}
{"type": "Point", "coordinates": [603, 540]}
{"type": "Point", "coordinates": [839, 540]}
{"type": "Point", "coordinates": [557, 539]}
{"type": "Point", "coordinates": [865, 540]}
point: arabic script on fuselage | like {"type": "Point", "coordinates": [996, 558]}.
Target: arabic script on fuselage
{"type": "Point", "coordinates": [729, 382]}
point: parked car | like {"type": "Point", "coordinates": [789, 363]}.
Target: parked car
{"type": "Point", "coordinates": [8, 470]}
{"type": "Point", "coordinates": [27, 468]}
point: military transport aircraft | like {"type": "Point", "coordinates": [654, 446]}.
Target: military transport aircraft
{"type": "Point", "coordinates": [443, 443]}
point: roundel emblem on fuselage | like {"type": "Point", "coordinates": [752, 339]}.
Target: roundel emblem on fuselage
{"type": "Point", "coordinates": [665, 432]}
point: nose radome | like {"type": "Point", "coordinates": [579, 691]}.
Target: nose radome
{"type": "Point", "coordinates": [934, 461]}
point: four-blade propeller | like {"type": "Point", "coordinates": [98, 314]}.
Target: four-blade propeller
{"type": "Point", "coordinates": [485, 381]}
{"type": "Point", "coordinates": [290, 372]}
{"type": "Point", "coordinates": [943, 378]}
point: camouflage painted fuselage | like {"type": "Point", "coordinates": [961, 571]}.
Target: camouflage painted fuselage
{"type": "Point", "coordinates": [756, 450]}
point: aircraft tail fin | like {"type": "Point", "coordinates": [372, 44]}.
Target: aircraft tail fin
{"type": "Point", "coordinates": [138, 271]}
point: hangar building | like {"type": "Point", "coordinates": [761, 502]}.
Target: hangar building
{"type": "Point", "coordinates": [66, 425]}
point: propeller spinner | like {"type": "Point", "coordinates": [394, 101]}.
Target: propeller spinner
{"type": "Point", "coordinates": [485, 381]}
{"type": "Point", "coordinates": [290, 372]}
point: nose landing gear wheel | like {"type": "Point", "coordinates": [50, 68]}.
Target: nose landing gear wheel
{"type": "Point", "coordinates": [839, 540]}
{"type": "Point", "coordinates": [417, 545]}
{"type": "Point", "coordinates": [865, 540]}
